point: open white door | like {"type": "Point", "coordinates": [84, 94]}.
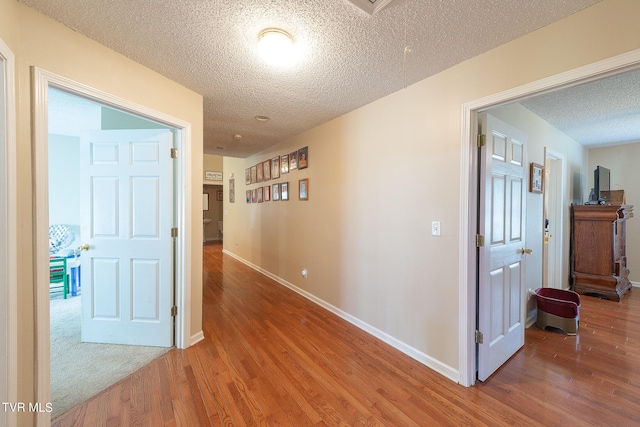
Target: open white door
{"type": "Point", "coordinates": [553, 202]}
{"type": "Point", "coordinates": [126, 220]}
{"type": "Point", "coordinates": [502, 222]}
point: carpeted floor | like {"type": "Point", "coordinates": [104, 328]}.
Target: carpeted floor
{"type": "Point", "coordinates": [81, 370]}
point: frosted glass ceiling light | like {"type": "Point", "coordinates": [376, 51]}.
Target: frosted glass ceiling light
{"type": "Point", "coordinates": [275, 46]}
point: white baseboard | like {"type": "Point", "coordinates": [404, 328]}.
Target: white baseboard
{"type": "Point", "coordinates": [635, 284]}
{"type": "Point", "coordinates": [442, 368]}
{"type": "Point", "coordinates": [196, 338]}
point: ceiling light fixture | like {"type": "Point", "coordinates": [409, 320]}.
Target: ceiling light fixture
{"type": "Point", "coordinates": [237, 137]}
{"type": "Point", "coordinates": [262, 118]}
{"type": "Point", "coordinates": [275, 46]}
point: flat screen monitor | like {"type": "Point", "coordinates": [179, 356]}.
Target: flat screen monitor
{"type": "Point", "coordinates": [602, 183]}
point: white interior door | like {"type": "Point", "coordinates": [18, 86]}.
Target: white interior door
{"type": "Point", "coordinates": [552, 248]}
{"type": "Point", "coordinates": [502, 222]}
{"type": "Point", "coordinates": [126, 221]}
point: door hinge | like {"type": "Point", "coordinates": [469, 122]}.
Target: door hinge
{"type": "Point", "coordinates": [174, 311]}
{"type": "Point", "coordinates": [482, 140]}
{"type": "Point", "coordinates": [174, 232]}
{"type": "Point", "coordinates": [479, 337]}
{"type": "Point", "coordinates": [479, 240]}
{"type": "Point", "coordinates": [174, 153]}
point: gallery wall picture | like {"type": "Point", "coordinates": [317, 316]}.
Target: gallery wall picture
{"type": "Point", "coordinates": [293, 161]}
{"type": "Point", "coordinates": [275, 192]}
{"type": "Point", "coordinates": [232, 190]}
{"type": "Point", "coordinates": [303, 158]}
{"type": "Point", "coordinates": [284, 164]}
{"type": "Point", "coordinates": [303, 189]}
{"type": "Point", "coordinates": [284, 191]}
{"type": "Point", "coordinates": [275, 167]}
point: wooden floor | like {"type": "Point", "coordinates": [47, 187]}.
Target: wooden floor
{"type": "Point", "coordinates": [271, 357]}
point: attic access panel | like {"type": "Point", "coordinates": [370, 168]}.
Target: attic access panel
{"type": "Point", "coordinates": [370, 6]}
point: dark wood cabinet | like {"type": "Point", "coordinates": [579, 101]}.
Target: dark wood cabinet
{"type": "Point", "coordinates": [598, 250]}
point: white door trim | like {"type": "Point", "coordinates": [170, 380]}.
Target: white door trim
{"type": "Point", "coordinates": [9, 275]}
{"type": "Point", "coordinates": [468, 187]}
{"type": "Point", "coordinates": [41, 81]}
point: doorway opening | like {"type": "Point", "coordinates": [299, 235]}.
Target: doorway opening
{"type": "Point", "coordinates": [43, 81]}
{"type": "Point", "coordinates": [97, 363]}
{"type": "Point", "coordinates": [469, 189]}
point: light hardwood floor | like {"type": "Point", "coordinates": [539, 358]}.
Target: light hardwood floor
{"type": "Point", "coordinates": [271, 357]}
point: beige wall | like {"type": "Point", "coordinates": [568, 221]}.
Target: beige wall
{"type": "Point", "coordinates": [38, 41]}
{"type": "Point", "coordinates": [622, 161]}
{"type": "Point", "coordinates": [214, 164]}
{"type": "Point", "coordinates": [380, 174]}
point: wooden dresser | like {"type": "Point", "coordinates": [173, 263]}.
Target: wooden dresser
{"type": "Point", "coordinates": [598, 253]}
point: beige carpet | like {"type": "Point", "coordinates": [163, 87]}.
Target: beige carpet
{"type": "Point", "coordinates": [82, 370]}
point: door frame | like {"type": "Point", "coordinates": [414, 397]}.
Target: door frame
{"type": "Point", "coordinates": [8, 247]}
{"type": "Point", "coordinates": [41, 81]}
{"type": "Point", "coordinates": [469, 187]}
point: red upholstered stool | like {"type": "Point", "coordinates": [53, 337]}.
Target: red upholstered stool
{"type": "Point", "coordinates": [558, 308]}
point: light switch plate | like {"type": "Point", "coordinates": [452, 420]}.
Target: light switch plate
{"type": "Point", "coordinates": [435, 228]}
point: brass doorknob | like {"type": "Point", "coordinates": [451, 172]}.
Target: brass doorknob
{"type": "Point", "coordinates": [84, 247]}
{"type": "Point", "coordinates": [525, 251]}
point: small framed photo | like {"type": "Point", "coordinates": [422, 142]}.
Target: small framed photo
{"type": "Point", "coordinates": [247, 176]}
{"type": "Point", "coordinates": [284, 191]}
{"type": "Point", "coordinates": [266, 166]}
{"type": "Point", "coordinates": [536, 178]}
{"type": "Point", "coordinates": [254, 174]}
{"type": "Point", "coordinates": [293, 161]}
{"type": "Point", "coordinates": [275, 167]}
{"type": "Point", "coordinates": [259, 170]}
{"type": "Point", "coordinates": [219, 196]}
{"type": "Point", "coordinates": [260, 194]}
{"type": "Point", "coordinates": [303, 158]}
{"type": "Point", "coordinates": [248, 196]}
{"type": "Point", "coordinates": [232, 190]}
{"type": "Point", "coordinates": [303, 189]}
{"type": "Point", "coordinates": [267, 193]}
{"type": "Point", "coordinates": [254, 196]}
{"type": "Point", "coordinates": [275, 192]}
{"type": "Point", "coordinates": [284, 164]}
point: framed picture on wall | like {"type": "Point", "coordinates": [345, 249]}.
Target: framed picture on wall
{"type": "Point", "coordinates": [303, 158]}
{"type": "Point", "coordinates": [267, 193]}
{"type": "Point", "coordinates": [248, 196]}
{"type": "Point", "coordinates": [275, 167]}
{"type": "Point", "coordinates": [536, 178]}
{"type": "Point", "coordinates": [284, 191]}
{"type": "Point", "coordinates": [254, 196]}
{"type": "Point", "coordinates": [266, 166]}
{"type": "Point", "coordinates": [260, 194]}
{"type": "Point", "coordinates": [284, 164]}
{"type": "Point", "coordinates": [275, 192]}
{"type": "Point", "coordinates": [293, 161]}
{"type": "Point", "coordinates": [254, 174]}
{"type": "Point", "coordinates": [247, 176]}
{"type": "Point", "coordinates": [260, 172]}
{"type": "Point", "coordinates": [303, 189]}
{"type": "Point", "coordinates": [232, 190]}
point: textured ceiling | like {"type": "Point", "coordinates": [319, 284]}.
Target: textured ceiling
{"type": "Point", "coordinates": [600, 113]}
{"type": "Point", "coordinates": [347, 58]}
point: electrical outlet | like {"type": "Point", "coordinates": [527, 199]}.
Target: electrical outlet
{"type": "Point", "coordinates": [435, 228]}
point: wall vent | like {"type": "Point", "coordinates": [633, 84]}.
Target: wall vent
{"type": "Point", "coordinates": [370, 6]}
